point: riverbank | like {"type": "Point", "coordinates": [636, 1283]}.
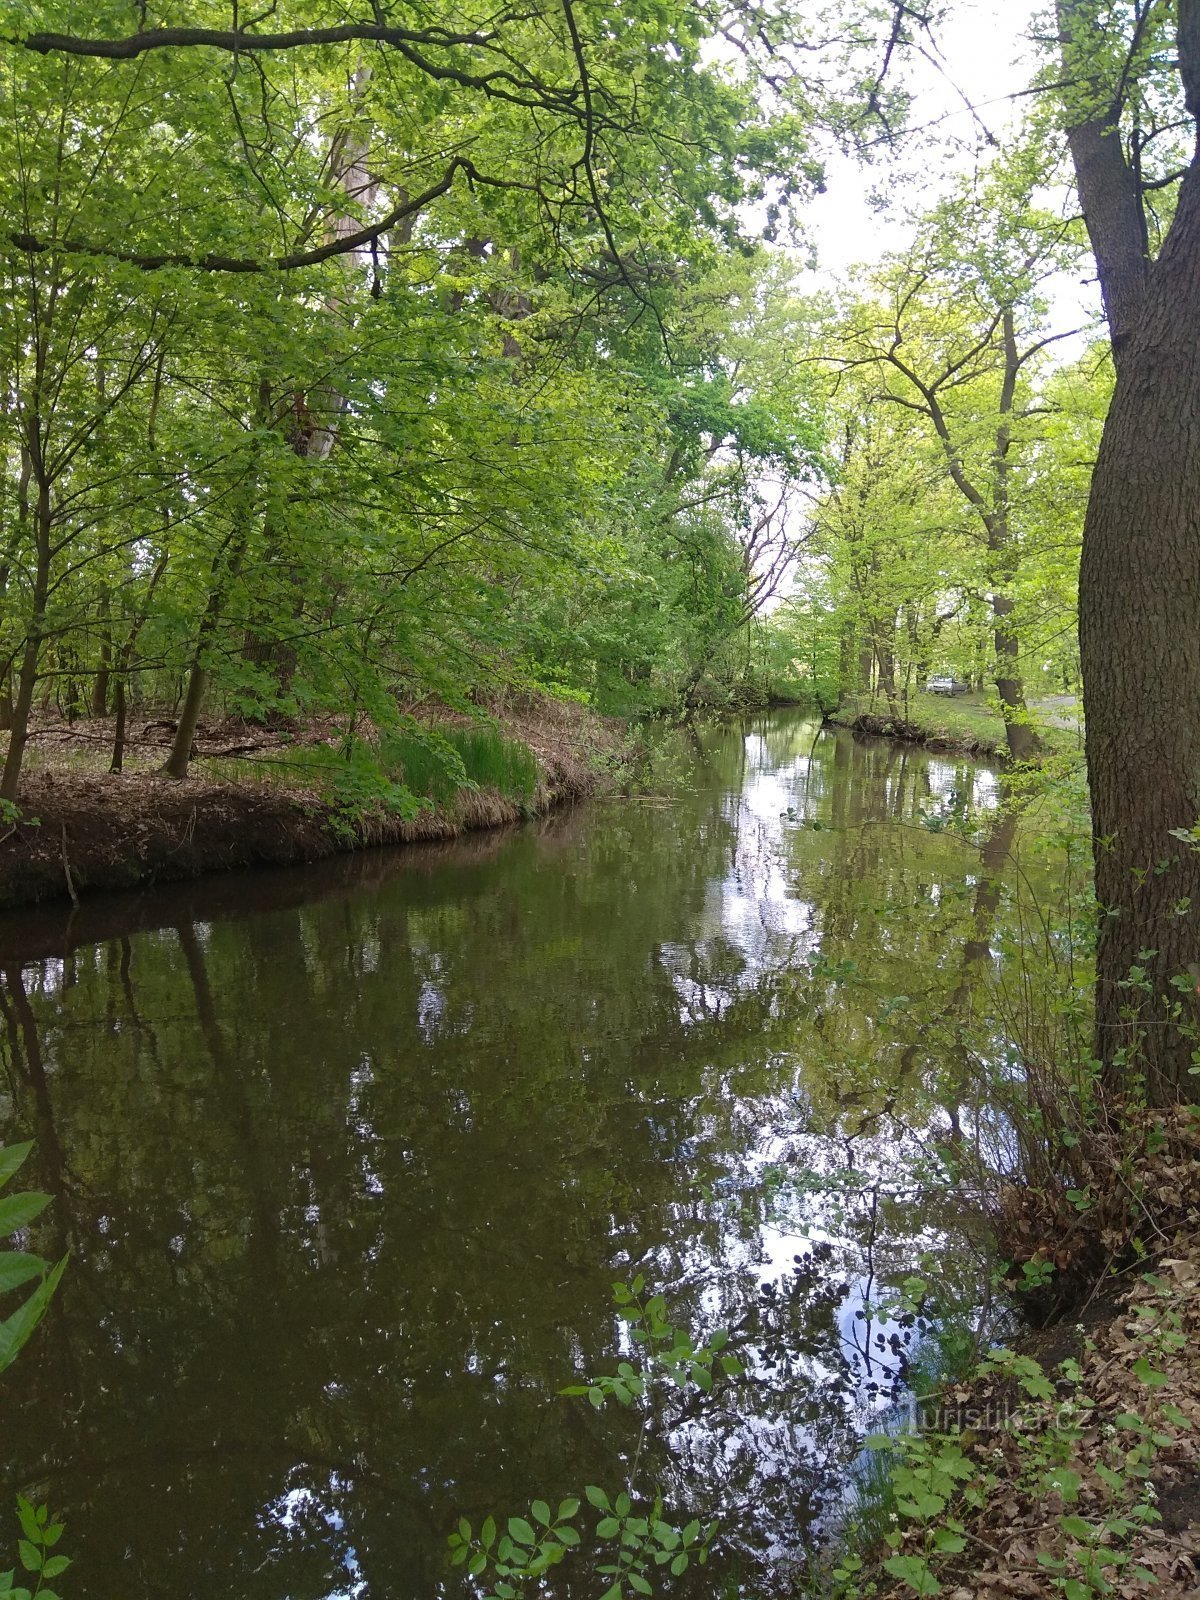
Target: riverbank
{"type": "Point", "coordinates": [1068, 1463]}
{"type": "Point", "coordinates": [965, 725]}
{"type": "Point", "coordinates": [252, 800]}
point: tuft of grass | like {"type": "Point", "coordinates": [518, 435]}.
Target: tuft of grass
{"type": "Point", "coordinates": [437, 763]}
{"type": "Point", "coordinates": [434, 764]}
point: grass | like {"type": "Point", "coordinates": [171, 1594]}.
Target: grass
{"type": "Point", "coordinates": [439, 762]}
{"type": "Point", "coordinates": [433, 763]}
{"type": "Point", "coordinates": [970, 719]}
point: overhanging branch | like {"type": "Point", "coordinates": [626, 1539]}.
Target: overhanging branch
{"type": "Point", "coordinates": [32, 244]}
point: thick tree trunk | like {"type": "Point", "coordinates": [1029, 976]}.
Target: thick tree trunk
{"type": "Point", "coordinates": [1139, 624]}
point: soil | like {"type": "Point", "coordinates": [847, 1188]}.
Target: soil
{"type": "Point", "coordinates": [80, 831]}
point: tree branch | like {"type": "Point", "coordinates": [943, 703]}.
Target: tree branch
{"type": "Point", "coordinates": [31, 244]}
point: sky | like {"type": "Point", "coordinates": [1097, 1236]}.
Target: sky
{"type": "Point", "coordinates": [986, 59]}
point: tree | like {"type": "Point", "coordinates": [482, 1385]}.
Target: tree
{"type": "Point", "coordinates": [1139, 586]}
{"type": "Point", "coordinates": [954, 338]}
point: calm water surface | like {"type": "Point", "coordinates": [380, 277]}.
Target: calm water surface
{"type": "Point", "coordinates": [349, 1159]}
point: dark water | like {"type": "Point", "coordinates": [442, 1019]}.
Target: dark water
{"type": "Point", "coordinates": [349, 1159]}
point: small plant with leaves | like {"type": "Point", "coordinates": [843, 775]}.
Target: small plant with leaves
{"type": "Point", "coordinates": [667, 1351]}
{"type": "Point", "coordinates": [41, 1531]}
{"type": "Point", "coordinates": [18, 1267]}
{"type": "Point", "coordinates": [632, 1542]}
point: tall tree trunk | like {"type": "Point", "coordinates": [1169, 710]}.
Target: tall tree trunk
{"type": "Point", "coordinates": [180, 758]}
{"type": "Point", "coordinates": [1139, 590]}
{"type": "Point", "coordinates": [1139, 638]}
{"type": "Point", "coordinates": [120, 715]}
{"type": "Point", "coordinates": [1023, 742]}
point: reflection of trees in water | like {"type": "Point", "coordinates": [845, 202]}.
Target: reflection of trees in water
{"type": "Point", "coordinates": [349, 1182]}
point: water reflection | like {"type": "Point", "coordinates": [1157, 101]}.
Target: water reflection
{"type": "Point", "coordinates": [349, 1159]}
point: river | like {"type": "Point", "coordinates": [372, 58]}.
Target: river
{"type": "Point", "coordinates": [350, 1157]}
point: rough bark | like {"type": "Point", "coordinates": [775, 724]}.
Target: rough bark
{"type": "Point", "coordinates": [1139, 595]}
{"type": "Point", "coordinates": [1139, 628]}
{"type": "Point", "coordinates": [1109, 192]}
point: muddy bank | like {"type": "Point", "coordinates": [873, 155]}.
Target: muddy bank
{"type": "Point", "coordinates": [79, 832]}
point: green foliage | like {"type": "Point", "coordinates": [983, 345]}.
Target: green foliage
{"type": "Point", "coordinates": [934, 1482]}
{"type": "Point", "coordinates": [17, 1267]}
{"type": "Point", "coordinates": [630, 1543]}
{"type": "Point", "coordinates": [39, 1558]}
{"type": "Point", "coordinates": [40, 1531]}
{"type": "Point", "coordinates": [537, 429]}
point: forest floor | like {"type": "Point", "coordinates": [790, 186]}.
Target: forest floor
{"type": "Point", "coordinates": [962, 723]}
{"type": "Point", "coordinates": [1070, 1465]}
{"type": "Point", "coordinates": [249, 800]}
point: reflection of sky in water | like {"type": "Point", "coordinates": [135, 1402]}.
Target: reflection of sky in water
{"type": "Point", "coordinates": [756, 909]}
{"type": "Point", "coordinates": [362, 1174]}
{"type": "Point", "coordinates": [304, 1513]}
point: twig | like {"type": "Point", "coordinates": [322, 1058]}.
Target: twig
{"type": "Point", "coordinates": [67, 870]}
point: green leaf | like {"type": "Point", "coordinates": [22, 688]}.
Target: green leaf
{"type": "Point", "coordinates": [638, 1583]}
{"type": "Point", "coordinates": [541, 1513]}
{"type": "Point", "coordinates": [19, 1210]}
{"type": "Point", "coordinates": [16, 1268]}
{"type": "Point", "coordinates": [27, 1517]}
{"type": "Point", "coordinates": [607, 1528]}
{"type": "Point", "coordinates": [521, 1531]}
{"type": "Point", "coordinates": [1149, 1375]}
{"type": "Point", "coordinates": [914, 1571]}
{"type": "Point", "coordinates": [12, 1158]}
{"type": "Point", "coordinates": [1066, 1481]}
{"type": "Point", "coordinates": [948, 1543]}
{"type": "Point", "coordinates": [31, 1556]}
{"type": "Point", "coordinates": [597, 1497]}
{"type": "Point", "coordinates": [1077, 1528]}
{"type": "Point", "coordinates": [566, 1510]}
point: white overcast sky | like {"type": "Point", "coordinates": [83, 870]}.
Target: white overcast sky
{"type": "Point", "coordinates": [986, 58]}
